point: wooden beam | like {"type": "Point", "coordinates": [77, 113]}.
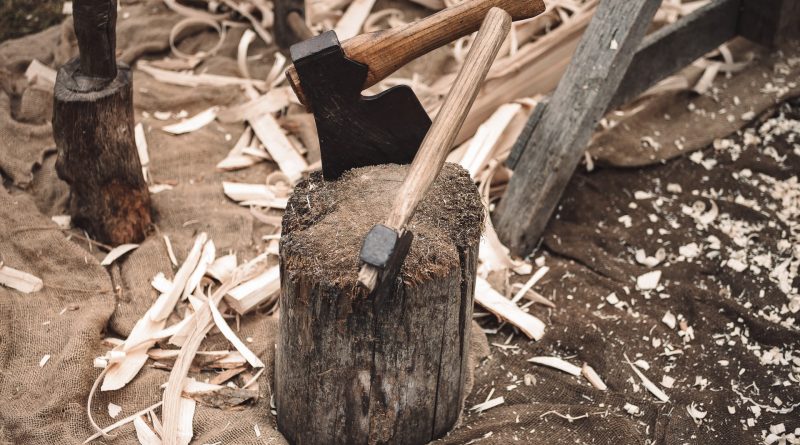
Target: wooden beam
{"type": "Point", "coordinates": [769, 22]}
{"type": "Point", "coordinates": [660, 55]}
{"type": "Point", "coordinates": [671, 48]}
{"type": "Point", "coordinates": [582, 96]}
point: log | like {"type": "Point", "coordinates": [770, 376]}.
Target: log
{"type": "Point", "coordinates": [355, 368]}
{"type": "Point", "coordinates": [93, 130]}
{"type": "Point", "coordinates": [582, 96]}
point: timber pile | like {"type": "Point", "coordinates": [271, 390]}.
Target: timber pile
{"type": "Point", "coordinates": [209, 292]}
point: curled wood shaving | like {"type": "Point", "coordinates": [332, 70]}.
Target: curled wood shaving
{"type": "Point", "coordinates": [174, 413]}
{"type": "Point", "coordinates": [190, 24]}
{"type": "Point", "coordinates": [226, 330]}
{"type": "Point", "coordinates": [116, 253]}
{"type": "Point", "coordinates": [194, 123]}
{"type": "Point", "coordinates": [119, 423]}
{"type": "Point", "coordinates": [170, 252]}
{"type": "Point", "coordinates": [241, 53]}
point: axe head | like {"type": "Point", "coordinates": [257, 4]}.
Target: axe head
{"type": "Point", "coordinates": [386, 249]}
{"type": "Point", "coordinates": [354, 130]}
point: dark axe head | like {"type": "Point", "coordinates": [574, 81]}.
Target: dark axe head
{"type": "Point", "coordinates": [354, 130]}
{"type": "Point", "coordinates": [386, 249]}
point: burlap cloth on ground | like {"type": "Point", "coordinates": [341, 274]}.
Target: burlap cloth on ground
{"type": "Point", "coordinates": [587, 248]}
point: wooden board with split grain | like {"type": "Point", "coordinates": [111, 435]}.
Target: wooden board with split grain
{"type": "Point", "coordinates": [581, 98]}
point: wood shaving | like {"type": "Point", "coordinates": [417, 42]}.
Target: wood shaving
{"type": "Point", "coordinates": [19, 280]}
{"type": "Point", "coordinates": [655, 390]}
{"type": "Point", "coordinates": [194, 123]}
{"type": "Point", "coordinates": [505, 309]}
{"type": "Point", "coordinates": [557, 363]}
{"type": "Point", "coordinates": [116, 253]}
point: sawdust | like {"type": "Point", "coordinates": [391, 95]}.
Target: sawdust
{"type": "Point", "coordinates": [326, 222]}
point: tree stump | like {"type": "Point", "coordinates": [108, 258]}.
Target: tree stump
{"type": "Point", "coordinates": [353, 368]}
{"type": "Point", "coordinates": [93, 130]}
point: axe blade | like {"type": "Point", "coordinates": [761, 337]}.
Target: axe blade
{"type": "Point", "coordinates": [354, 130]}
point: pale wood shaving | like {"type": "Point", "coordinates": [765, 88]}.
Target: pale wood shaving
{"type": "Point", "coordinates": [591, 375]}
{"type": "Point", "coordinates": [647, 383]}
{"type": "Point", "coordinates": [557, 363]}
{"type": "Point", "coordinates": [195, 80]}
{"type": "Point", "coordinates": [280, 149]}
{"type": "Point", "coordinates": [194, 123]}
{"type": "Point", "coordinates": [117, 252]}
{"type": "Point", "coordinates": [144, 434]}
{"type": "Point", "coordinates": [502, 307]}
{"type": "Point", "coordinates": [252, 293]}
{"type": "Point", "coordinates": [353, 19]}
{"type": "Point", "coordinates": [19, 280]}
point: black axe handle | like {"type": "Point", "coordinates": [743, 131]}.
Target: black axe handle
{"type": "Point", "coordinates": [439, 139]}
{"type": "Point", "coordinates": [385, 51]}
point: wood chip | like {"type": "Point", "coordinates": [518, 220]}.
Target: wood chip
{"type": "Point", "coordinates": [280, 149]}
{"type": "Point", "coordinates": [37, 72]}
{"type": "Point", "coordinates": [44, 360]}
{"type": "Point", "coordinates": [194, 123]}
{"type": "Point", "coordinates": [226, 330]}
{"type": "Point", "coordinates": [195, 80]}
{"type": "Point", "coordinates": [144, 434]}
{"type": "Point", "coordinates": [170, 252]}
{"type": "Point", "coordinates": [502, 307]}
{"type": "Point", "coordinates": [141, 148]}
{"type": "Point", "coordinates": [647, 383]}
{"type": "Point", "coordinates": [648, 281]}
{"type": "Point", "coordinates": [222, 268]}
{"type": "Point", "coordinates": [557, 363]}
{"type": "Point", "coordinates": [530, 283]}
{"type": "Point", "coordinates": [117, 252]}
{"type": "Point", "coordinates": [481, 407]}
{"type": "Point", "coordinates": [166, 301]}
{"type": "Point", "coordinates": [353, 19]}
{"type": "Point", "coordinates": [253, 194]}
{"type": "Point", "coordinates": [251, 293]}
{"type": "Point", "coordinates": [591, 375]}
{"type": "Point", "coordinates": [19, 280]}
{"type": "Point", "coordinates": [114, 410]}
{"type": "Point", "coordinates": [122, 422]}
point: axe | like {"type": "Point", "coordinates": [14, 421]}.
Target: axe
{"type": "Point", "coordinates": [386, 245]}
{"type": "Point", "coordinates": [328, 77]}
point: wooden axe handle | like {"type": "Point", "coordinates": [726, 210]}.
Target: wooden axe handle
{"type": "Point", "coordinates": [437, 143]}
{"type": "Point", "coordinates": [387, 50]}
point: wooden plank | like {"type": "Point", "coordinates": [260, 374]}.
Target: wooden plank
{"type": "Point", "coordinates": [660, 55]}
{"type": "Point", "coordinates": [582, 96]}
{"type": "Point", "coordinates": [769, 22]}
{"type": "Point", "coordinates": [673, 47]}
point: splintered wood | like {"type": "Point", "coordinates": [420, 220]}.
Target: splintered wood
{"type": "Point", "coordinates": [255, 282]}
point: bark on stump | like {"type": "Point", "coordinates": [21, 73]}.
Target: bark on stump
{"type": "Point", "coordinates": [353, 369]}
{"type": "Point", "coordinates": [97, 157]}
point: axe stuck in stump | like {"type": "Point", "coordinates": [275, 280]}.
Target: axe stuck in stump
{"type": "Point", "coordinates": [93, 131]}
{"type": "Point", "coordinates": [381, 356]}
